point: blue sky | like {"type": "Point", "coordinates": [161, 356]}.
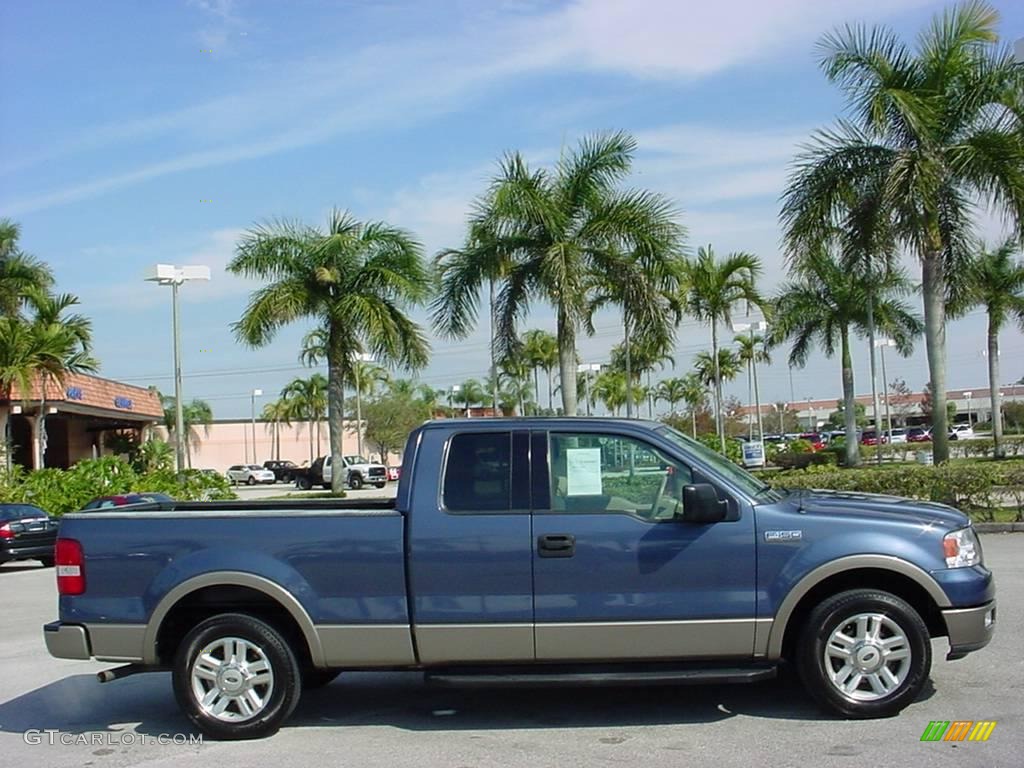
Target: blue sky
{"type": "Point", "coordinates": [120, 118]}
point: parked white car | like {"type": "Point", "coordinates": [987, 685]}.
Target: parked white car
{"type": "Point", "coordinates": [961, 432]}
{"type": "Point", "coordinates": [897, 436]}
{"type": "Point", "coordinates": [250, 474]}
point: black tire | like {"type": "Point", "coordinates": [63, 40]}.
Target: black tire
{"type": "Point", "coordinates": [380, 485]}
{"type": "Point", "coordinates": [303, 483]}
{"type": "Point", "coordinates": [314, 678]}
{"type": "Point", "coordinates": [251, 480]}
{"type": "Point", "coordinates": [287, 677]}
{"type": "Point", "coordinates": [355, 481]}
{"type": "Point", "coordinates": [839, 610]}
{"type": "Point", "coordinates": [48, 562]}
{"type": "Point", "coordinates": [326, 486]}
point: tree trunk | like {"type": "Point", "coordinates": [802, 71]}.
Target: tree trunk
{"type": "Point", "coordinates": [536, 389]}
{"type": "Point", "coordinates": [337, 359]}
{"type": "Point", "coordinates": [757, 403]}
{"type": "Point", "coordinates": [874, 379]}
{"type": "Point", "coordinates": [629, 366]}
{"type": "Point", "coordinates": [993, 387]}
{"type": "Point", "coordinates": [849, 403]}
{"type": "Point", "coordinates": [719, 426]}
{"type": "Point", "coordinates": [567, 363]}
{"type": "Point", "coordinates": [494, 357]}
{"type": "Point", "coordinates": [933, 284]}
{"type": "Point", "coordinates": [693, 422]}
{"type": "Point", "coordinates": [551, 392]}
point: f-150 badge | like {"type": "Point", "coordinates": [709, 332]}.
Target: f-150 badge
{"type": "Point", "coordinates": [780, 537]}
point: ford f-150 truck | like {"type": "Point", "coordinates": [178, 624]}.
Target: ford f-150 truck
{"type": "Point", "coordinates": [530, 552]}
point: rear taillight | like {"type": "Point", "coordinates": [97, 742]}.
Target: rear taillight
{"type": "Point", "coordinates": [70, 567]}
{"type": "Point", "coordinates": [6, 532]}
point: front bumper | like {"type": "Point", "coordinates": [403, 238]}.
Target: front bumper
{"type": "Point", "coordinates": [66, 641]}
{"type": "Point", "coordinates": [969, 629]}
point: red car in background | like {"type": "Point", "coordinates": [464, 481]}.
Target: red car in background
{"type": "Point", "coordinates": [919, 435]}
{"type": "Point", "coordinates": [870, 437]}
{"type": "Point", "coordinates": [816, 439]}
{"type": "Point", "coordinates": [394, 473]}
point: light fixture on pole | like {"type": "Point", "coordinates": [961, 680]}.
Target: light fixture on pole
{"type": "Point", "coordinates": [252, 412]}
{"type": "Point", "coordinates": [882, 344]}
{"type": "Point", "coordinates": [811, 420]}
{"type": "Point", "coordinates": [168, 274]}
{"type": "Point", "coordinates": [358, 358]}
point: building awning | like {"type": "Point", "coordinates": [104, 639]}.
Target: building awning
{"type": "Point", "coordinates": [94, 396]}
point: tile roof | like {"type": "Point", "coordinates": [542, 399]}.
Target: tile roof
{"type": "Point", "coordinates": [96, 392]}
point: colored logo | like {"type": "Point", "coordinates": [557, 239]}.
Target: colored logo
{"type": "Point", "coordinates": [958, 730]}
{"type": "Point", "coordinates": [74, 393]}
{"type": "Point", "coordinates": [123, 402]}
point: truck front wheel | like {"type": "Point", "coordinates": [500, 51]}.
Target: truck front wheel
{"type": "Point", "coordinates": [236, 678]}
{"type": "Point", "coordinates": [355, 481]}
{"type": "Point", "coordinates": [864, 653]}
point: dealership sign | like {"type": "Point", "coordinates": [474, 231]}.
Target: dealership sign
{"type": "Point", "coordinates": [123, 402]}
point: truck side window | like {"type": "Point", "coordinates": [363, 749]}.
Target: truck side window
{"type": "Point", "coordinates": [593, 473]}
{"type": "Point", "coordinates": [478, 474]}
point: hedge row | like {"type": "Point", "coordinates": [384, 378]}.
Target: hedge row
{"type": "Point", "coordinates": [58, 491]}
{"type": "Point", "coordinates": [977, 489]}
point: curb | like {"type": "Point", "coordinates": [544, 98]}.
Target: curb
{"type": "Point", "coordinates": [999, 527]}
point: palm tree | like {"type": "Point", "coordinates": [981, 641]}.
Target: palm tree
{"type": "Point", "coordinates": [932, 130]}
{"type": "Point", "coordinates": [196, 414]}
{"type": "Point", "coordinates": [712, 289]}
{"type": "Point", "coordinates": [726, 368]}
{"type": "Point", "coordinates": [548, 235]}
{"type": "Point", "coordinates": [994, 280]}
{"type": "Point", "coordinates": [20, 274]}
{"type": "Point", "coordinates": [540, 350]}
{"type": "Point", "coordinates": [610, 388]}
{"type": "Point", "coordinates": [634, 360]}
{"type": "Point", "coordinates": [357, 280]}
{"type": "Point", "coordinates": [695, 394]}
{"type": "Point", "coordinates": [671, 391]}
{"type": "Point", "coordinates": [753, 350]}
{"type": "Point", "coordinates": [825, 303]}
{"type": "Point", "coordinates": [470, 393]}
{"type": "Point", "coordinates": [274, 414]}
{"type": "Point", "coordinates": [307, 400]}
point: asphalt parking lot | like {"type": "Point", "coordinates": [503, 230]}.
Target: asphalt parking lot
{"type": "Point", "coordinates": [394, 720]}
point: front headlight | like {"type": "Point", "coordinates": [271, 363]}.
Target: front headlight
{"type": "Point", "coordinates": [961, 548]}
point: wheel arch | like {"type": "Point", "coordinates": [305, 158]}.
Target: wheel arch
{"type": "Point", "coordinates": [270, 595]}
{"type": "Point", "coordinates": [891, 574]}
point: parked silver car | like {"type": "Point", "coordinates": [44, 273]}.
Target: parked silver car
{"type": "Point", "coordinates": [250, 474]}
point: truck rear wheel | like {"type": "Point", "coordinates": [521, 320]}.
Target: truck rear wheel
{"type": "Point", "coordinates": [864, 653]}
{"type": "Point", "coordinates": [236, 678]}
{"type": "Point", "coordinates": [303, 483]}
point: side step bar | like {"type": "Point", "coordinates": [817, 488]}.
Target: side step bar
{"type": "Point", "coordinates": [667, 676]}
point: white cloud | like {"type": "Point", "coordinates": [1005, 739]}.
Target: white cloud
{"type": "Point", "coordinates": [417, 79]}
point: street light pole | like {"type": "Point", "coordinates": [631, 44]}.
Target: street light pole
{"type": "Point", "coordinates": [360, 358]}
{"type": "Point", "coordinates": [882, 344]}
{"type": "Point", "coordinates": [967, 396]}
{"type": "Point", "coordinates": [168, 274]}
{"type": "Point", "coordinates": [255, 393]}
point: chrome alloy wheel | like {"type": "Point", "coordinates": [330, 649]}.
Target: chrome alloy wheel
{"type": "Point", "coordinates": [232, 680]}
{"type": "Point", "coordinates": [867, 656]}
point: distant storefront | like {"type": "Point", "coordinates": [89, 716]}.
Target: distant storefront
{"type": "Point", "coordinates": [80, 416]}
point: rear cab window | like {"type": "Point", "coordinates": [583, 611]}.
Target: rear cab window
{"type": "Point", "coordinates": [478, 473]}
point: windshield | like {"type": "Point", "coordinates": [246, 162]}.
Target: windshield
{"type": "Point", "coordinates": [356, 460]}
{"type": "Point", "coordinates": [734, 474]}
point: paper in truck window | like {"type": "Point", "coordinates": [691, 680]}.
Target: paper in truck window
{"type": "Point", "coordinates": [583, 470]}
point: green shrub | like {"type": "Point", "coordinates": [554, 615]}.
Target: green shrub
{"type": "Point", "coordinates": [978, 489]}
{"type": "Point", "coordinates": [733, 451]}
{"type": "Point", "coordinates": [59, 491]}
{"type": "Point", "coordinates": [800, 446]}
{"type": "Point", "coordinates": [797, 460]}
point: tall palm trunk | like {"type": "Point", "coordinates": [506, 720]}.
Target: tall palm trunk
{"type": "Point", "coordinates": [551, 391]}
{"type": "Point", "coordinates": [629, 366]}
{"type": "Point", "coordinates": [995, 394]}
{"type": "Point", "coordinates": [876, 409]}
{"type": "Point", "coordinates": [536, 389]}
{"type": "Point", "coordinates": [719, 426]}
{"type": "Point", "coordinates": [934, 290]}
{"type": "Point", "coordinates": [849, 403]}
{"type": "Point", "coordinates": [567, 362]}
{"type": "Point", "coordinates": [337, 358]}
{"type": "Point", "coordinates": [494, 357]}
{"type": "Point", "coordinates": [693, 420]}
{"type": "Point", "coordinates": [757, 402]}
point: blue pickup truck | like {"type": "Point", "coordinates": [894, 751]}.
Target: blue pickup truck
{"type": "Point", "coordinates": [526, 552]}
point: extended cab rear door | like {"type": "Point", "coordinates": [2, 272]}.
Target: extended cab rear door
{"type": "Point", "coordinates": [617, 576]}
{"type": "Point", "coordinates": [471, 547]}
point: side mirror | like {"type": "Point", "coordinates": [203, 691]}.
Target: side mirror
{"type": "Point", "coordinates": [702, 505]}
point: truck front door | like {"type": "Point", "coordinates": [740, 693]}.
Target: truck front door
{"type": "Point", "coordinates": [617, 574]}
